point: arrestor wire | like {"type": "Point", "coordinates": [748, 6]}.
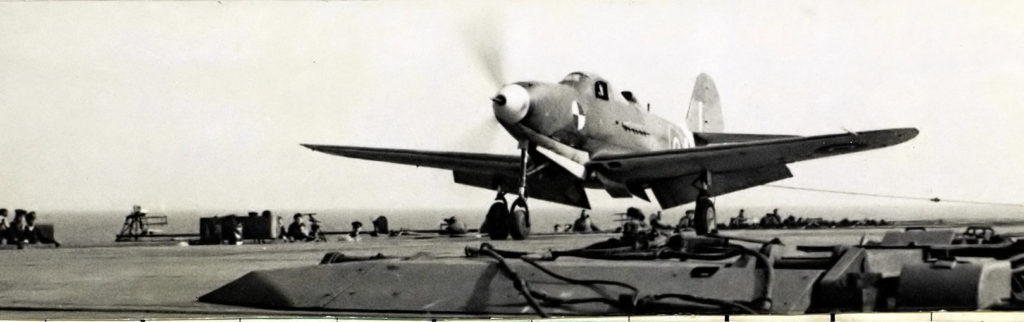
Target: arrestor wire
{"type": "Point", "coordinates": [627, 303]}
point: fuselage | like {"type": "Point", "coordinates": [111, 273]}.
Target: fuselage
{"type": "Point", "coordinates": [584, 112]}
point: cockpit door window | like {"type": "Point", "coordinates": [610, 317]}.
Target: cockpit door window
{"type": "Point", "coordinates": [601, 90]}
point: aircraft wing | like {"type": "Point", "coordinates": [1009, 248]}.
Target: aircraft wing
{"type": "Point", "coordinates": [488, 171]}
{"type": "Point", "coordinates": [733, 166]}
{"type": "Point", "coordinates": [474, 162]}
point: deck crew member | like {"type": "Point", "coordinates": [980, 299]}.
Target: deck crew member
{"type": "Point", "coordinates": [686, 221]}
{"type": "Point", "coordinates": [634, 224]}
{"type": "Point", "coordinates": [772, 219]}
{"type": "Point", "coordinates": [232, 228]}
{"type": "Point", "coordinates": [380, 226]}
{"type": "Point", "coordinates": [740, 221]}
{"type": "Point", "coordinates": [314, 229]}
{"type": "Point", "coordinates": [282, 231]}
{"type": "Point", "coordinates": [583, 224]}
{"type": "Point", "coordinates": [4, 225]}
{"type": "Point", "coordinates": [136, 213]}
{"type": "Point", "coordinates": [656, 222]}
{"type": "Point", "coordinates": [452, 226]}
{"type": "Point", "coordinates": [16, 232]}
{"type": "Point", "coordinates": [33, 235]}
{"type": "Point", "coordinates": [635, 234]}
{"type": "Point", "coordinates": [357, 228]}
{"type": "Point", "coordinates": [297, 230]}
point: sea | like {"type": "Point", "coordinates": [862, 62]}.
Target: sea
{"type": "Point", "coordinates": [99, 228]}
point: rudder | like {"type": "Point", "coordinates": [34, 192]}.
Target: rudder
{"type": "Point", "coordinates": [705, 112]}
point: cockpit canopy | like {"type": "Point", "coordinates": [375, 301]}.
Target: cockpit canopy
{"type": "Point", "coordinates": [597, 86]}
{"type": "Point", "coordinates": [574, 77]}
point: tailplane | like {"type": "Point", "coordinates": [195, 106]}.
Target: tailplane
{"type": "Point", "coordinates": [705, 113]}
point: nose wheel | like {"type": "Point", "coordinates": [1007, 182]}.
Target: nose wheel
{"type": "Point", "coordinates": [519, 219]}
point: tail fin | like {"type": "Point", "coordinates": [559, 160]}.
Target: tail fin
{"type": "Point", "coordinates": [705, 113]}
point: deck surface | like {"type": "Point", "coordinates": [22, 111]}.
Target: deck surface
{"type": "Point", "coordinates": [147, 281]}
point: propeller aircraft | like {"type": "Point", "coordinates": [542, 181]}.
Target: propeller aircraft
{"type": "Point", "coordinates": [581, 133]}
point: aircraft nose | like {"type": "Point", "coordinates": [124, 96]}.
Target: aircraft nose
{"type": "Point", "coordinates": [511, 103]}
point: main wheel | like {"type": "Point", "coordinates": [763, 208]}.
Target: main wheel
{"type": "Point", "coordinates": [519, 220]}
{"type": "Point", "coordinates": [496, 223]}
{"type": "Point", "coordinates": [704, 218]}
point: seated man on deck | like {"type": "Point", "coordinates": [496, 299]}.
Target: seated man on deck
{"type": "Point", "coordinates": [33, 235]}
{"type": "Point", "coordinates": [583, 224]}
{"type": "Point", "coordinates": [453, 227]}
{"type": "Point", "coordinates": [686, 221]}
{"type": "Point", "coordinates": [297, 230]}
{"type": "Point", "coordinates": [353, 236]}
{"type": "Point", "coordinates": [740, 221]}
{"type": "Point", "coordinates": [656, 222]}
{"type": "Point", "coordinates": [636, 235]}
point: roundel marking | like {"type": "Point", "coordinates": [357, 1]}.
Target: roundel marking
{"type": "Point", "coordinates": [577, 114]}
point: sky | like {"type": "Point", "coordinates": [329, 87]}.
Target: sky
{"type": "Point", "coordinates": [202, 105]}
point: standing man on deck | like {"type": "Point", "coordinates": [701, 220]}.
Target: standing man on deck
{"type": "Point", "coordinates": [16, 233]}
{"type": "Point", "coordinates": [135, 214]}
{"type": "Point", "coordinates": [4, 225]}
{"type": "Point", "coordinates": [282, 231]}
{"type": "Point", "coordinates": [314, 229]}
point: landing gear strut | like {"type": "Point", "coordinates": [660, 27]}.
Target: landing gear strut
{"type": "Point", "coordinates": [503, 221]}
{"type": "Point", "coordinates": [704, 216]}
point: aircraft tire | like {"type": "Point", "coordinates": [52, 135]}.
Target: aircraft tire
{"type": "Point", "coordinates": [496, 222]}
{"type": "Point", "coordinates": [519, 220]}
{"type": "Point", "coordinates": [704, 219]}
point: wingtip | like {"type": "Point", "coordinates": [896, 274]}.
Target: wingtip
{"type": "Point", "coordinates": [909, 133]}
{"type": "Point", "coordinates": [309, 146]}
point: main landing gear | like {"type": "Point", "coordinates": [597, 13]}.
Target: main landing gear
{"type": "Point", "coordinates": [704, 216]}
{"type": "Point", "coordinates": [503, 221]}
